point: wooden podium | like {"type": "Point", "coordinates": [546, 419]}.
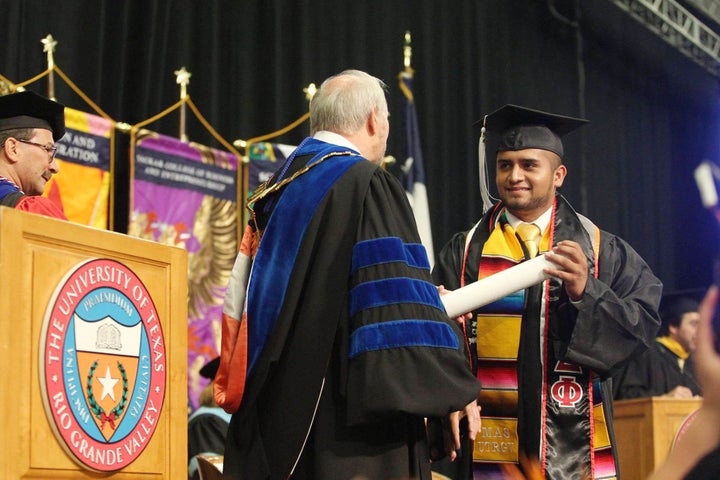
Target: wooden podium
{"type": "Point", "coordinates": [644, 432]}
{"type": "Point", "coordinates": [41, 265]}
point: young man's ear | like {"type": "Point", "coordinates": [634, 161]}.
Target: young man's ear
{"type": "Point", "coordinates": [560, 174]}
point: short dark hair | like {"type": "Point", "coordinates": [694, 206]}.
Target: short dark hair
{"type": "Point", "coordinates": [672, 310]}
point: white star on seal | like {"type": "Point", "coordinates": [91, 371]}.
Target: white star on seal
{"type": "Point", "coordinates": [108, 384]}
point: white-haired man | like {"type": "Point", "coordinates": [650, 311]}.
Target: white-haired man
{"type": "Point", "coordinates": [335, 344]}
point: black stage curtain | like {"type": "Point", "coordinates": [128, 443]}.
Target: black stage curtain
{"type": "Point", "coordinates": [653, 112]}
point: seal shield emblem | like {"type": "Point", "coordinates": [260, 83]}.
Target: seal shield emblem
{"type": "Point", "coordinates": [102, 365]}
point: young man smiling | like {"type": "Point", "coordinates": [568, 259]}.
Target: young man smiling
{"type": "Point", "coordinates": [544, 355]}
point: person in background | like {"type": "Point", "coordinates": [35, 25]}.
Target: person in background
{"type": "Point", "coordinates": [696, 454]}
{"type": "Point", "coordinates": [29, 127]}
{"type": "Point", "coordinates": [208, 425]}
{"type": "Point", "coordinates": [335, 343]}
{"type": "Point", "coordinates": [544, 355]}
{"type": "Point", "coordinates": [666, 368]}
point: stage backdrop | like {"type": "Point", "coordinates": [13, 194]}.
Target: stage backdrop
{"type": "Point", "coordinates": [654, 114]}
{"type": "Point", "coordinates": [185, 194]}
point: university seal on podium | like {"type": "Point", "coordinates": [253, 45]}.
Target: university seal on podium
{"type": "Point", "coordinates": [102, 365]}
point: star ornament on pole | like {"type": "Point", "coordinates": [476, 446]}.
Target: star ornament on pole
{"type": "Point", "coordinates": [49, 44]}
{"type": "Point", "coordinates": [182, 78]}
{"type": "Point", "coordinates": [310, 91]}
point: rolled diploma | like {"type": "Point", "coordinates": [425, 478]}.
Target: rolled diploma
{"type": "Point", "coordinates": [497, 286]}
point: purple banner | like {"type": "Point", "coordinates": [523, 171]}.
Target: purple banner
{"type": "Point", "coordinates": [185, 194]}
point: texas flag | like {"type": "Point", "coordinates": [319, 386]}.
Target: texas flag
{"type": "Point", "coordinates": [413, 171]}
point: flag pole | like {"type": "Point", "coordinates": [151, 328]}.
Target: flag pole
{"type": "Point", "coordinates": [182, 78]}
{"type": "Point", "coordinates": [412, 168]}
{"type": "Point", "coordinates": [49, 44]}
{"type": "Point", "coordinates": [407, 53]}
{"type": "Point", "coordinates": [408, 72]}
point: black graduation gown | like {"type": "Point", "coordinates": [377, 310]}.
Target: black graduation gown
{"type": "Point", "coordinates": [617, 315]}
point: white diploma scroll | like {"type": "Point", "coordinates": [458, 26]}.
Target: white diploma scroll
{"type": "Point", "coordinates": [497, 286]}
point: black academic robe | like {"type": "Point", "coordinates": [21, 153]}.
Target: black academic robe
{"type": "Point", "coordinates": [207, 428]}
{"type": "Point", "coordinates": [349, 345]}
{"type": "Point", "coordinates": [617, 315]}
{"type": "Point", "coordinates": [654, 372]}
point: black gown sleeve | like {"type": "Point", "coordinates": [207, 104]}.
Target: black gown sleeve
{"type": "Point", "coordinates": [419, 367]}
{"type": "Point", "coordinates": [618, 311]}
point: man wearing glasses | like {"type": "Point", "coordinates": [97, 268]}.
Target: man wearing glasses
{"type": "Point", "coordinates": [29, 127]}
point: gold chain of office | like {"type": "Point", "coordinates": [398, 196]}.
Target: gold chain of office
{"type": "Point", "coordinates": [263, 190]}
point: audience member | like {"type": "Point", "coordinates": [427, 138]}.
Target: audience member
{"type": "Point", "coordinates": [696, 455]}
{"type": "Point", "coordinates": [208, 425]}
{"type": "Point", "coordinates": [666, 368]}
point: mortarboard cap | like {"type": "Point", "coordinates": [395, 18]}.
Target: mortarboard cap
{"type": "Point", "coordinates": [30, 110]}
{"type": "Point", "coordinates": [518, 128]}
{"type": "Point", "coordinates": [209, 370]}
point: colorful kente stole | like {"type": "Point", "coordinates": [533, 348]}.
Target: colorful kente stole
{"type": "Point", "coordinates": [532, 401]}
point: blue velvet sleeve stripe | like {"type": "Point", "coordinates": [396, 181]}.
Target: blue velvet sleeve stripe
{"type": "Point", "coordinates": [391, 291]}
{"type": "Point", "coordinates": [388, 250]}
{"type": "Point", "coordinates": [402, 333]}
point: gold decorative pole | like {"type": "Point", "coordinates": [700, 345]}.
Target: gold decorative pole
{"type": "Point", "coordinates": [49, 44]}
{"type": "Point", "coordinates": [309, 91]}
{"type": "Point", "coordinates": [182, 78]}
{"type": "Point", "coordinates": [407, 73]}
